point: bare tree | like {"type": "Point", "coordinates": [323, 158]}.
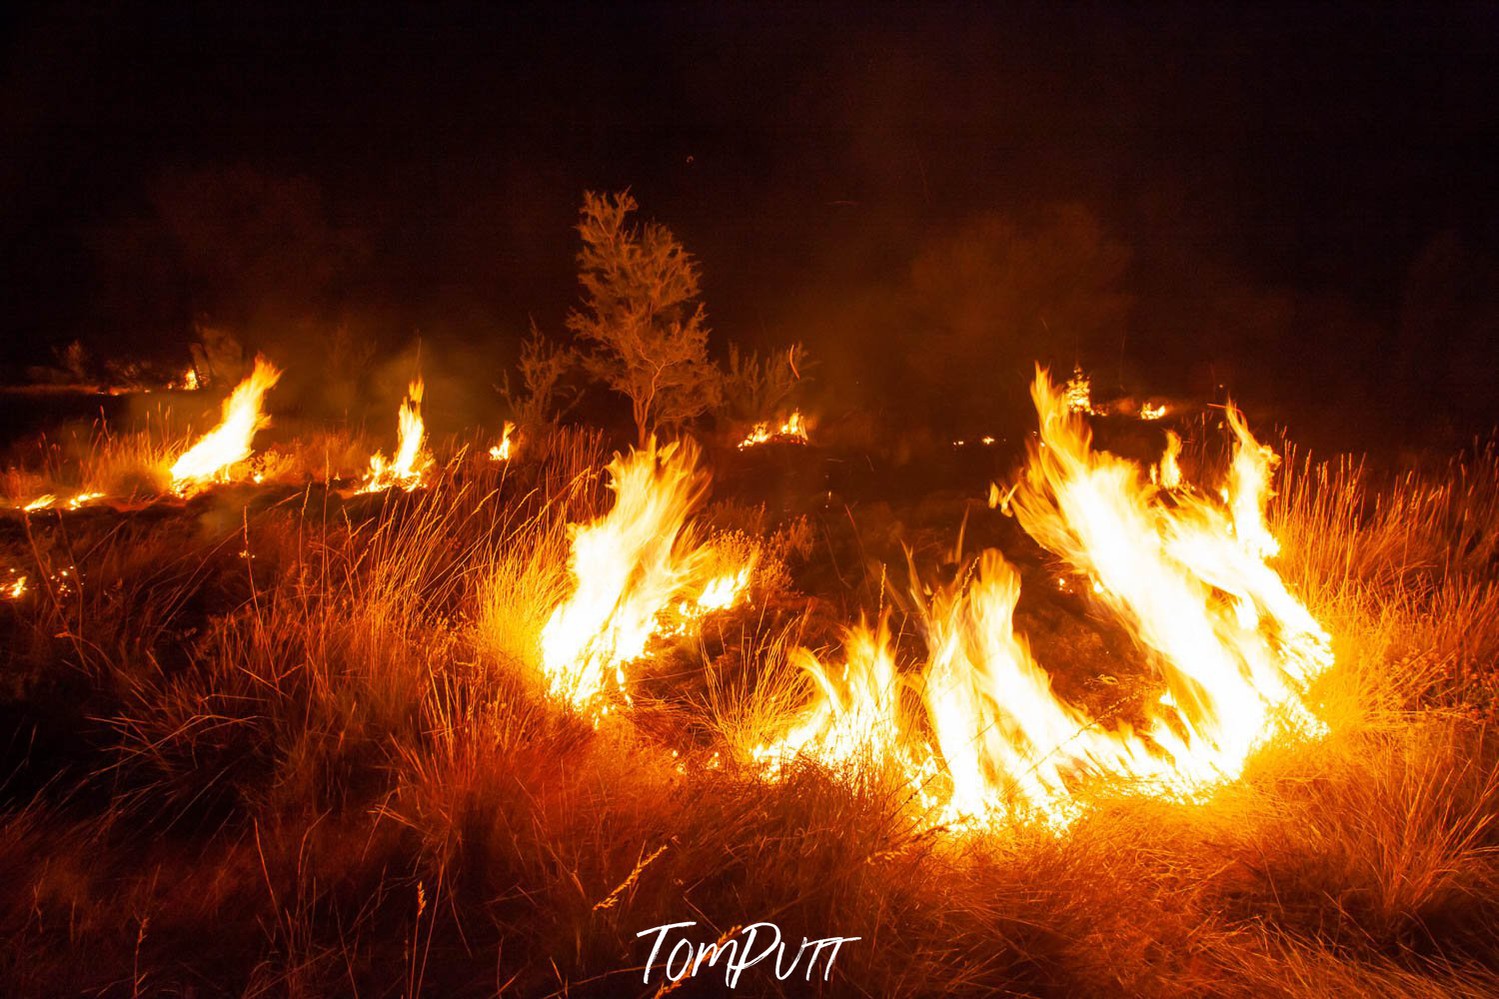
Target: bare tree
{"type": "Point", "coordinates": [642, 327]}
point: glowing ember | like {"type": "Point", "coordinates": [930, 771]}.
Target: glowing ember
{"type": "Point", "coordinates": [1079, 393]}
{"type": "Point", "coordinates": [793, 430]}
{"type": "Point", "coordinates": [627, 568]}
{"type": "Point", "coordinates": [408, 468]}
{"type": "Point", "coordinates": [40, 503]}
{"type": "Point", "coordinates": [216, 453]}
{"type": "Point", "coordinates": [187, 383]}
{"type": "Point", "coordinates": [502, 450]}
{"type": "Point", "coordinates": [1152, 411]}
{"type": "Point", "coordinates": [13, 588]}
{"type": "Point", "coordinates": [1187, 576]}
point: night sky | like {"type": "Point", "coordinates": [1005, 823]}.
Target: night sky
{"type": "Point", "coordinates": [1299, 204]}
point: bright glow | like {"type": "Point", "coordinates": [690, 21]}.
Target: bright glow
{"type": "Point", "coordinates": [1168, 474]}
{"type": "Point", "coordinates": [1079, 393]}
{"type": "Point", "coordinates": [792, 430]}
{"type": "Point", "coordinates": [408, 469]}
{"type": "Point", "coordinates": [1187, 576]}
{"type": "Point", "coordinates": [1152, 411]}
{"type": "Point", "coordinates": [213, 457]}
{"type": "Point", "coordinates": [629, 568]}
{"type": "Point", "coordinates": [13, 588]}
{"type": "Point", "coordinates": [502, 450]}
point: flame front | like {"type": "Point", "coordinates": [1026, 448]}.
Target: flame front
{"type": "Point", "coordinates": [1185, 573]}
{"type": "Point", "coordinates": [628, 567]}
{"type": "Point", "coordinates": [226, 445]}
{"type": "Point", "coordinates": [408, 469]}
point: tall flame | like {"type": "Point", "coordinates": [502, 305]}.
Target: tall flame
{"type": "Point", "coordinates": [226, 445]}
{"type": "Point", "coordinates": [628, 567]}
{"type": "Point", "coordinates": [408, 469]}
{"type": "Point", "coordinates": [1185, 573]}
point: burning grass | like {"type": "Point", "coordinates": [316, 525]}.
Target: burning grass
{"type": "Point", "coordinates": [311, 742]}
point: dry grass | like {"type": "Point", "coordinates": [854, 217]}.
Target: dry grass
{"type": "Point", "coordinates": [298, 747]}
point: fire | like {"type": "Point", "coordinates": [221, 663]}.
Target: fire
{"type": "Point", "coordinates": [502, 450]}
{"type": "Point", "coordinates": [13, 588]}
{"type": "Point", "coordinates": [188, 382]}
{"type": "Point", "coordinates": [1079, 393]}
{"type": "Point", "coordinates": [1152, 411]}
{"type": "Point", "coordinates": [628, 568]}
{"type": "Point", "coordinates": [855, 719]}
{"type": "Point", "coordinates": [1187, 574]}
{"type": "Point", "coordinates": [408, 469]}
{"type": "Point", "coordinates": [50, 501]}
{"type": "Point", "coordinates": [1168, 474]}
{"type": "Point", "coordinates": [229, 443]}
{"type": "Point", "coordinates": [792, 430]}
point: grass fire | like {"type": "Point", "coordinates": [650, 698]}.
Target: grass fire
{"type": "Point", "coordinates": [1042, 573]}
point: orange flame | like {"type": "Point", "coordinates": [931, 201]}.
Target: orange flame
{"type": "Point", "coordinates": [502, 450]}
{"type": "Point", "coordinates": [215, 454]}
{"type": "Point", "coordinates": [1232, 646]}
{"type": "Point", "coordinates": [408, 469]}
{"type": "Point", "coordinates": [792, 430]}
{"type": "Point", "coordinates": [627, 568]}
{"type": "Point", "coordinates": [1168, 474]}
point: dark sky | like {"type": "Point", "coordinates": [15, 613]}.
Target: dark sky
{"type": "Point", "coordinates": [1290, 164]}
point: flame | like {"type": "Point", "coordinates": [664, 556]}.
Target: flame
{"type": "Point", "coordinates": [1152, 411]}
{"type": "Point", "coordinates": [1168, 474]}
{"type": "Point", "coordinates": [855, 719]}
{"type": "Point", "coordinates": [1079, 393]}
{"type": "Point", "coordinates": [502, 450]}
{"type": "Point", "coordinates": [188, 382]}
{"type": "Point", "coordinates": [218, 451]}
{"type": "Point", "coordinates": [792, 430]}
{"type": "Point", "coordinates": [408, 469]}
{"type": "Point", "coordinates": [49, 501]}
{"type": "Point", "coordinates": [1187, 575]}
{"type": "Point", "coordinates": [627, 568]}
{"type": "Point", "coordinates": [14, 588]}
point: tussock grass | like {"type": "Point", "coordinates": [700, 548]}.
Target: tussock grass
{"type": "Point", "coordinates": [296, 744]}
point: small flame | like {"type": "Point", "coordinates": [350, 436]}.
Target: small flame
{"type": "Point", "coordinates": [216, 453]}
{"type": "Point", "coordinates": [502, 450]}
{"type": "Point", "coordinates": [1152, 411]}
{"type": "Point", "coordinates": [14, 588]}
{"type": "Point", "coordinates": [792, 430]}
{"type": "Point", "coordinates": [1168, 474]}
{"type": "Point", "coordinates": [408, 469]}
{"type": "Point", "coordinates": [50, 501]}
